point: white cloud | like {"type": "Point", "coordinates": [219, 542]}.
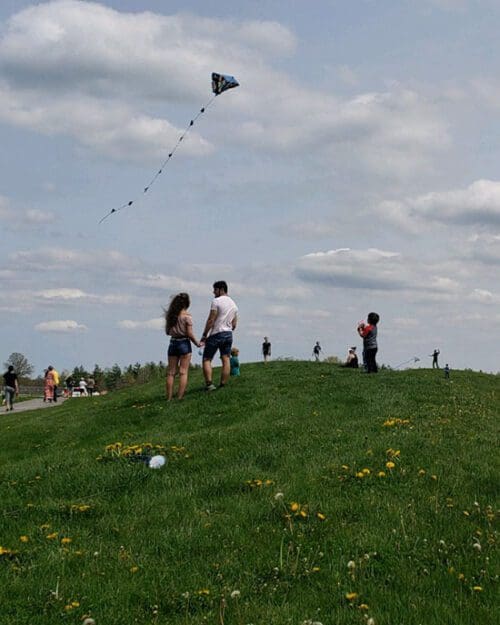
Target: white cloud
{"type": "Point", "coordinates": [63, 258]}
{"type": "Point", "coordinates": [150, 324]}
{"type": "Point", "coordinates": [486, 248]}
{"type": "Point", "coordinates": [68, 67]}
{"type": "Point", "coordinates": [477, 204]}
{"type": "Point", "coordinates": [63, 326]}
{"type": "Point", "coordinates": [374, 269]}
{"type": "Point", "coordinates": [64, 294]}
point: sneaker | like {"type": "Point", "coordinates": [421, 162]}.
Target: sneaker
{"type": "Point", "coordinates": [210, 387]}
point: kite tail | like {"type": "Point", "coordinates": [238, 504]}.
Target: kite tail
{"type": "Point", "coordinates": [165, 162]}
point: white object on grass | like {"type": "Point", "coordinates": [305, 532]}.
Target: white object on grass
{"type": "Point", "coordinates": [157, 462]}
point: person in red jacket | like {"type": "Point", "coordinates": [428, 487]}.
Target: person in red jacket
{"type": "Point", "coordinates": [368, 332]}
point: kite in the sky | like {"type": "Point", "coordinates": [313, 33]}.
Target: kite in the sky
{"type": "Point", "coordinates": [220, 83]}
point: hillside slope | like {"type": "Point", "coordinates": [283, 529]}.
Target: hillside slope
{"type": "Point", "coordinates": [303, 492]}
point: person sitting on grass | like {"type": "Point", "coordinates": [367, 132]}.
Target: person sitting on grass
{"type": "Point", "coordinates": [352, 359]}
{"type": "Point", "coordinates": [234, 361]}
{"type": "Point", "coordinates": [179, 326]}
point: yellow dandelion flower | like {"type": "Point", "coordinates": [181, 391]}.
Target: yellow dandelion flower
{"type": "Point", "coordinates": [366, 471]}
{"type": "Point", "coordinates": [315, 569]}
{"type": "Point", "coordinates": [51, 536]}
{"type": "Point", "coordinates": [363, 606]}
{"type": "Point", "coordinates": [294, 506]}
{"type": "Point", "coordinates": [360, 474]}
{"type": "Point", "coordinates": [351, 596]}
{"type": "Point", "coordinates": [75, 604]}
{"type": "Point", "coordinates": [345, 467]}
{"type": "Point", "coordinates": [434, 477]}
{"type": "Point", "coordinates": [303, 513]}
{"type": "Point", "coordinates": [45, 526]}
{"type": "Point", "coordinates": [30, 505]}
{"type": "Point", "coordinates": [321, 516]}
{"type": "Point", "coordinates": [66, 540]}
{"type": "Point", "coordinates": [381, 474]}
{"type": "Point", "coordinates": [24, 539]}
{"type": "Point", "coordinates": [134, 569]}
{"type": "Point", "coordinates": [477, 589]}
{"type": "Point", "coordinates": [68, 607]}
{"type": "Point", "coordinates": [203, 591]}
{"type": "Point", "coordinates": [390, 465]}
{"type": "Point", "coordinates": [466, 513]}
{"type": "Point", "coordinates": [461, 576]}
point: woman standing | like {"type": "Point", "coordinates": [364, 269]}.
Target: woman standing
{"type": "Point", "coordinates": [48, 385]}
{"type": "Point", "coordinates": [179, 326]}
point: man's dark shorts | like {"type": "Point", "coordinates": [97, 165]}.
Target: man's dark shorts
{"type": "Point", "coordinates": [221, 341]}
{"type": "Point", "coordinates": [179, 347]}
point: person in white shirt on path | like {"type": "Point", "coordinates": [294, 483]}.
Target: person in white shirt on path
{"type": "Point", "coordinates": [218, 334]}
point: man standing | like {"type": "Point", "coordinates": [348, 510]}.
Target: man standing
{"type": "Point", "coordinates": [317, 351]}
{"type": "Point", "coordinates": [56, 382]}
{"type": "Point", "coordinates": [266, 349]}
{"type": "Point", "coordinates": [218, 334]}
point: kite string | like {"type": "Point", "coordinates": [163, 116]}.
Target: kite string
{"type": "Point", "coordinates": [165, 162]}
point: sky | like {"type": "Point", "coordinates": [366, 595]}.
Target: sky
{"type": "Point", "coordinates": [354, 169]}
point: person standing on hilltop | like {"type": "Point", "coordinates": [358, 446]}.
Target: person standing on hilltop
{"type": "Point", "coordinates": [11, 387]}
{"type": "Point", "coordinates": [317, 351]}
{"type": "Point", "coordinates": [266, 349]}
{"type": "Point", "coordinates": [434, 357]}
{"type": "Point", "coordinates": [179, 326]}
{"type": "Point", "coordinates": [218, 334]}
{"type": "Point", "coordinates": [368, 332]}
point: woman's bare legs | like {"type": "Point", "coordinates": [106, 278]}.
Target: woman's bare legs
{"type": "Point", "coordinates": [171, 371]}
{"type": "Point", "coordinates": [183, 374]}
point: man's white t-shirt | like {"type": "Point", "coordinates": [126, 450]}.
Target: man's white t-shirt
{"type": "Point", "coordinates": [226, 312]}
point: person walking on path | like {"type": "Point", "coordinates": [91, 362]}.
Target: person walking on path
{"type": "Point", "coordinates": [317, 351]}
{"type": "Point", "coordinates": [90, 386]}
{"type": "Point", "coordinates": [266, 349]}
{"type": "Point", "coordinates": [179, 326]}
{"type": "Point", "coordinates": [48, 385]}
{"type": "Point", "coordinates": [368, 332]}
{"type": "Point", "coordinates": [11, 387]}
{"type": "Point", "coordinates": [218, 334]}
{"type": "Point", "coordinates": [56, 383]}
{"type": "Point", "coordinates": [434, 357]}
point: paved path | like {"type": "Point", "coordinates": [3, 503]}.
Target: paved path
{"type": "Point", "coordinates": [34, 404]}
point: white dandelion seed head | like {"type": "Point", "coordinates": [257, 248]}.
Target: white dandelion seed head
{"type": "Point", "coordinates": [235, 594]}
{"type": "Point", "coordinates": [370, 621]}
{"type": "Point", "coordinates": [351, 565]}
{"type": "Point", "coordinates": [442, 543]}
{"type": "Point", "coordinates": [89, 621]}
{"type": "Point", "coordinates": [477, 546]}
{"type": "Point", "coordinates": [279, 496]}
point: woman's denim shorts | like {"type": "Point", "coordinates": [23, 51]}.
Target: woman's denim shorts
{"type": "Point", "coordinates": [179, 347]}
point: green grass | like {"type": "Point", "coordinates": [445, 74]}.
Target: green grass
{"type": "Point", "coordinates": [417, 545]}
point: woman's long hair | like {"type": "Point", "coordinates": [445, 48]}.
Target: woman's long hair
{"type": "Point", "coordinates": [177, 303]}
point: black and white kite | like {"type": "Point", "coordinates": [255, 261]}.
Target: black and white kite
{"type": "Point", "coordinates": [220, 83]}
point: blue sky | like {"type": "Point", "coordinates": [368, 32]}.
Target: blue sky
{"type": "Point", "coordinates": [354, 169]}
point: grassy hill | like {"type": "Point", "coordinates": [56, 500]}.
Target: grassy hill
{"type": "Point", "coordinates": [303, 493]}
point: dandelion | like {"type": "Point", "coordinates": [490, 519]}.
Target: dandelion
{"type": "Point", "coordinates": [303, 513]}
{"type": "Point", "coordinates": [477, 589]}
{"type": "Point", "coordinates": [351, 565]}
{"type": "Point", "coordinates": [477, 546]}
{"type": "Point", "coordinates": [366, 471]}
{"type": "Point", "coordinates": [363, 606]}
{"type": "Point", "coordinates": [24, 539]}
{"type": "Point", "coordinates": [321, 516]}
{"type": "Point", "coordinates": [351, 596]}
{"type": "Point", "coordinates": [434, 477]}
{"type": "Point", "coordinates": [421, 472]}
{"type": "Point", "coordinates": [370, 621]}
{"type": "Point", "coordinates": [390, 465]}
{"type": "Point", "coordinates": [134, 569]}
{"type": "Point", "coordinates": [66, 540]}
{"type": "Point", "coordinates": [360, 474]}
{"type": "Point", "coordinates": [294, 506]}
{"type": "Point", "coordinates": [279, 496]}
{"type": "Point", "coordinates": [381, 474]}
{"type": "Point", "coordinates": [235, 594]}
{"type": "Point", "coordinates": [51, 536]}
{"type": "Point", "coordinates": [345, 467]}
{"type": "Point", "coordinates": [203, 591]}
